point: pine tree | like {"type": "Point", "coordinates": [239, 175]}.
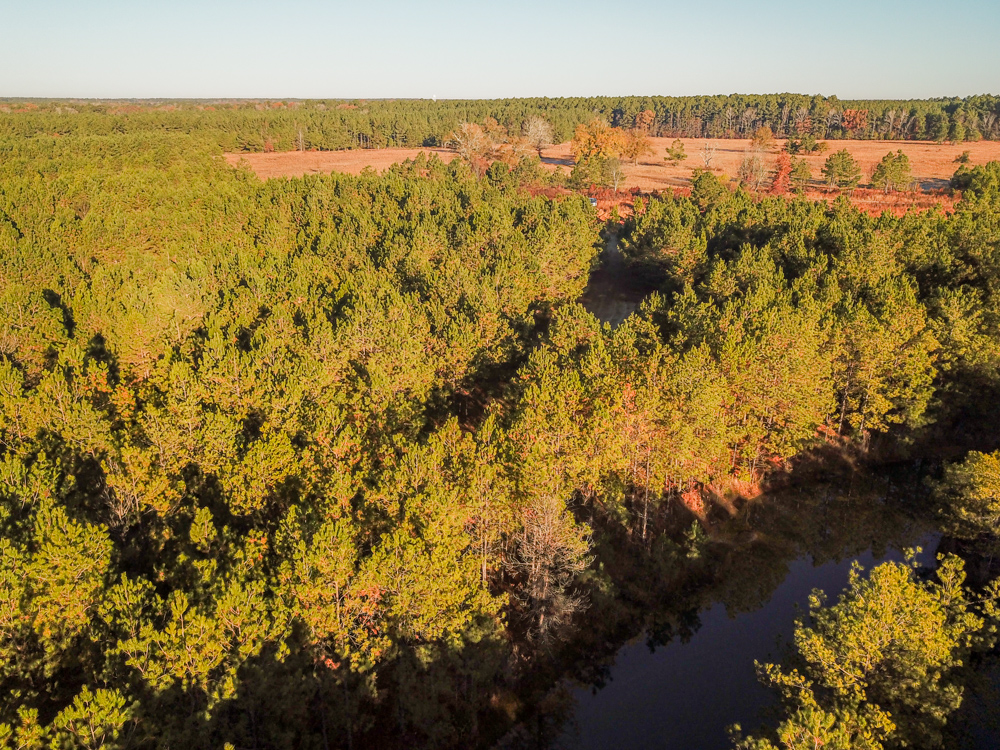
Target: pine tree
{"type": "Point", "coordinates": [841, 170]}
{"type": "Point", "coordinates": [893, 172]}
{"type": "Point", "coordinates": [800, 175]}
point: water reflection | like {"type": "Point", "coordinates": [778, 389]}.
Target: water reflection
{"type": "Point", "coordinates": [664, 657]}
{"type": "Point", "coordinates": [684, 695]}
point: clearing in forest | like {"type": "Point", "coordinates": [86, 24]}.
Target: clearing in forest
{"type": "Point", "coordinates": [932, 164]}
{"type": "Point", "coordinates": [299, 163]}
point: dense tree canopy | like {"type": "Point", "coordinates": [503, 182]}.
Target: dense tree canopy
{"type": "Point", "coordinates": [324, 462]}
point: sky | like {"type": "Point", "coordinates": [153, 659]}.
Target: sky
{"type": "Point", "coordinates": [884, 49]}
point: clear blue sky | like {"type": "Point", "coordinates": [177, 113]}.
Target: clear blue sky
{"type": "Point", "coordinates": [452, 49]}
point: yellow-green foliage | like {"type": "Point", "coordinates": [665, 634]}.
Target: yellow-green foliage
{"type": "Point", "coordinates": [875, 669]}
{"type": "Point", "coordinates": [970, 496]}
{"type": "Point", "coordinates": [280, 460]}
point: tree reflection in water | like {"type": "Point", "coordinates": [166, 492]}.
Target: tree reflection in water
{"type": "Point", "coordinates": [730, 593]}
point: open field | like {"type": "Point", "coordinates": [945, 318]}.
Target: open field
{"type": "Point", "coordinates": [932, 165]}
{"type": "Point", "coordinates": [299, 163]}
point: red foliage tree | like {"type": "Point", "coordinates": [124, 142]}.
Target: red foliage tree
{"type": "Point", "coordinates": [644, 120]}
{"type": "Point", "coordinates": [855, 119]}
{"type": "Point", "coordinates": [782, 174]}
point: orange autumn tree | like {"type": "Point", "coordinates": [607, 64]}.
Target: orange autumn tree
{"type": "Point", "coordinates": [763, 139]}
{"type": "Point", "coordinates": [782, 174]}
{"type": "Point", "coordinates": [644, 120]}
{"type": "Point", "coordinates": [482, 145]}
{"type": "Point", "coordinates": [597, 142]}
{"type": "Point", "coordinates": [597, 138]}
{"type": "Point", "coordinates": [854, 119]}
{"type": "Point", "coordinates": [635, 144]}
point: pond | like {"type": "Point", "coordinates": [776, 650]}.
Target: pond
{"type": "Point", "coordinates": [685, 695]}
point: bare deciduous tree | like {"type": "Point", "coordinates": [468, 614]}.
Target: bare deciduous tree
{"type": "Point", "coordinates": [472, 144]}
{"type": "Point", "coordinates": [708, 153]}
{"type": "Point", "coordinates": [730, 119]}
{"type": "Point", "coordinates": [989, 120]}
{"type": "Point", "coordinates": [550, 552]}
{"type": "Point", "coordinates": [482, 145]}
{"type": "Point", "coordinates": [891, 120]}
{"type": "Point", "coordinates": [615, 173]}
{"type": "Point", "coordinates": [122, 494]}
{"type": "Point", "coordinates": [786, 112]}
{"type": "Point", "coordinates": [833, 119]}
{"type": "Point", "coordinates": [752, 172]}
{"type": "Point", "coordinates": [748, 120]}
{"type": "Point", "coordinates": [537, 132]}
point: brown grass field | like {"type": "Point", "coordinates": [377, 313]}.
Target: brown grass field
{"type": "Point", "coordinates": [299, 163]}
{"type": "Point", "coordinates": [932, 166]}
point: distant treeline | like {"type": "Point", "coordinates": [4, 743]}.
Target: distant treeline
{"type": "Point", "coordinates": [336, 124]}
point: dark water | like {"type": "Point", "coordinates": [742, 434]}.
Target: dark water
{"type": "Point", "coordinates": [684, 695]}
{"type": "Point", "coordinates": [610, 297]}
{"type": "Point", "coordinates": [978, 718]}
